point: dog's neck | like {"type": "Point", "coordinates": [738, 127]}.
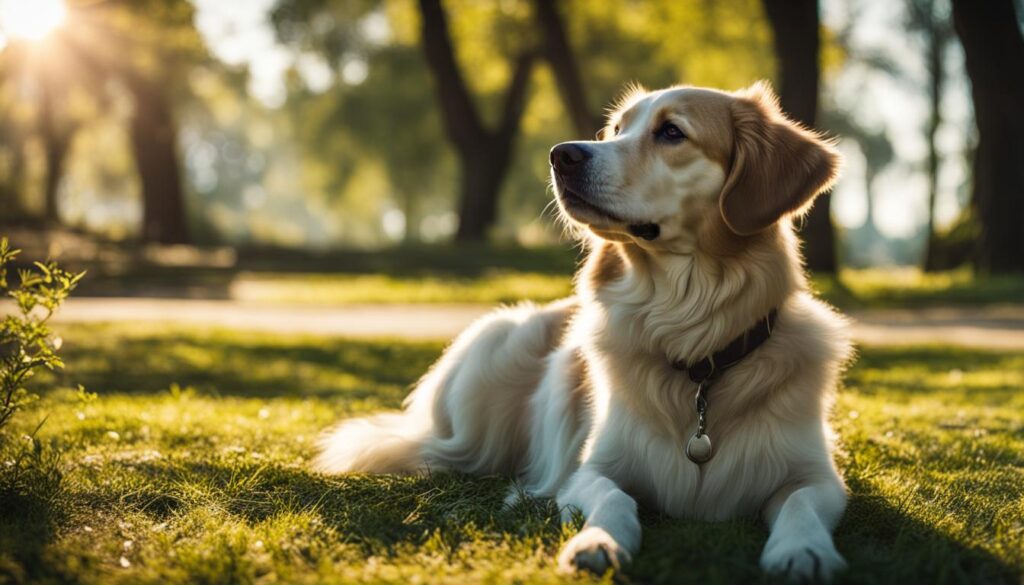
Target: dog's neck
{"type": "Point", "coordinates": [687, 306]}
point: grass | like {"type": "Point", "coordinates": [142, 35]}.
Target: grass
{"type": "Point", "coordinates": [488, 288]}
{"type": "Point", "coordinates": [206, 481]}
{"type": "Point", "coordinates": [485, 274]}
{"type": "Point", "coordinates": [855, 288]}
{"type": "Point", "coordinates": [912, 288]}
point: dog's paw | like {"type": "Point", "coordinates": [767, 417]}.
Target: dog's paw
{"type": "Point", "coordinates": [803, 562]}
{"type": "Point", "coordinates": [592, 550]}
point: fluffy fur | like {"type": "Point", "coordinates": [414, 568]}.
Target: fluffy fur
{"type": "Point", "coordinates": [578, 399]}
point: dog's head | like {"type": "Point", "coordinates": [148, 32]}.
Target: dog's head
{"type": "Point", "coordinates": [669, 158]}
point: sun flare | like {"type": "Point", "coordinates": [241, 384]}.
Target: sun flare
{"type": "Point", "coordinates": [31, 20]}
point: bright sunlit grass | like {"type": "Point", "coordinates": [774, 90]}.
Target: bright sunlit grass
{"type": "Point", "coordinates": [861, 288]}
{"type": "Point", "coordinates": [490, 288]}
{"type": "Point", "coordinates": [31, 20]}
{"type": "Point", "coordinates": [212, 485]}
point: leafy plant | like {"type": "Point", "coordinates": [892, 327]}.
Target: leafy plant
{"type": "Point", "coordinates": [26, 341]}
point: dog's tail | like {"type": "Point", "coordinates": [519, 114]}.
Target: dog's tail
{"type": "Point", "coordinates": [391, 442]}
{"type": "Point", "coordinates": [468, 412]}
{"type": "Point", "coordinates": [384, 443]}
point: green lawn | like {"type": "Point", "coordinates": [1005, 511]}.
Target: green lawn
{"type": "Point", "coordinates": [853, 289]}
{"type": "Point", "coordinates": [486, 274]}
{"type": "Point", "coordinates": [191, 467]}
{"type": "Point", "coordinates": [488, 288]}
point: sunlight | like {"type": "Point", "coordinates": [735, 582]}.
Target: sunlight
{"type": "Point", "coordinates": [31, 20]}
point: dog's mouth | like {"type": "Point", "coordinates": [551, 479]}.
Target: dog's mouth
{"type": "Point", "coordinates": [583, 210]}
{"type": "Point", "coordinates": [574, 203]}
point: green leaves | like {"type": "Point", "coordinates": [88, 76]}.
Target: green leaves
{"type": "Point", "coordinates": [26, 341]}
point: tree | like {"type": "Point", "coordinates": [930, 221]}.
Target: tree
{"type": "Point", "coordinates": [166, 44]}
{"type": "Point", "coordinates": [795, 25]}
{"type": "Point", "coordinates": [484, 153]}
{"type": "Point", "coordinates": [864, 245]}
{"type": "Point", "coordinates": [12, 159]}
{"type": "Point", "coordinates": [562, 58]}
{"type": "Point", "coordinates": [140, 50]}
{"type": "Point", "coordinates": [154, 140]}
{"type": "Point", "coordinates": [994, 50]}
{"type": "Point", "coordinates": [145, 47]}
{"type": "Point", "coordinates": [56, 137]}
{"type": "Point", "coordinates": [45, 73]}
{"type": "Point", "coordinates": [936, 33]}
{"type": "Point", "coordinates": [393, 91]}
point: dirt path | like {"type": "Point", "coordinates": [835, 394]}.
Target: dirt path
{"type": "Point", "coordinates": [1000, 327]}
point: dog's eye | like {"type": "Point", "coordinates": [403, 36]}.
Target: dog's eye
{"type": "Point", "coordinates": [670, 132]}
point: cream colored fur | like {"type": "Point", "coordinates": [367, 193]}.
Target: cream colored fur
{"type": "Point", "coordinates": [578, 399]}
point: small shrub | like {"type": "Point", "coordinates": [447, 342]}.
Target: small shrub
{"type": "Point", "coordinates": [26, 341]}
{"type": "Point", "coordinates": [31, 477]}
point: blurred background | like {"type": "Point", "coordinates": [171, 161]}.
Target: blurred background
{"type": "Point", "coordinates": [176, 144]}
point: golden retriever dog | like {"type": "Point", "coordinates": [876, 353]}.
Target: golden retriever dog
{"type": "Point", "coordinates": [692, 371]}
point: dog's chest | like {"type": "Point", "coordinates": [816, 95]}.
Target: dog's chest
{"type": "Point", "coordinates": [647, 441]}
{"type": "Point", "coordinates": [742, 473]}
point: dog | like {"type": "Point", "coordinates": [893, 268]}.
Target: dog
{"type": "Point", "coordinates": [612, 397]}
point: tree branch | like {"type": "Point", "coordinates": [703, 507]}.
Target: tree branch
{"type": "Point", "coordinates": [566, 69]}
{"type": "Point", "coordinates": [515, 97]}
{"type": "Point", "coordinates": [460, 117]}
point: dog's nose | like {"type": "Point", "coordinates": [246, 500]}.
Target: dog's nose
{"type": "Point", "coordinates": [568, 157]}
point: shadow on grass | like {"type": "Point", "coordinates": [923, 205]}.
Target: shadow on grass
{"type": "Point", "coordinates": [885, 545]}
{"type": "Point", "coordinates": [377, 513]}
{"type": "Point", "coordinates": [386, 515]}
{"type": "Point", "coordinates": [221, 363]}
{"type": "Point", "coordinates": [246, 365]}
{"type": "Point", "coordinates": [930, 290]}
{"type": "Point", "coordinates": [910, 371]}
{"type": "Point", "coordinates": [32, 509]}
{"type": "Point", "coordinates": [27, 525]}
{"type": "Point", "coordinates": [880, 543]}
{"type": "Point", "coordinates": [214, 283]}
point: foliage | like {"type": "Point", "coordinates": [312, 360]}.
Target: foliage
{"type": "Point", "coordinates": [31, 478]}
{"type": "Point", "coordinates": [724, 44]}
{"type": "Point", "coordinates": [211, 484]}
{"type": "Point", "coordinates": [26, 342]}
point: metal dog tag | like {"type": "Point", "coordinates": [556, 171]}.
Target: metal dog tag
{"type": "Point", "coordinates": [698, 448]}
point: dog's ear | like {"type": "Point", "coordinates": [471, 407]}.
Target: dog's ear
{"type": "Point", "coordinates": [778, 167]}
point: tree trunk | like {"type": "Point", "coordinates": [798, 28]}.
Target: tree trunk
{"type": "Point", "coordinates": [994, 51]}
{"type": "Point", "coordinates": [10, 187]}
{"type": "Point", "coordinates": [870, 174]}
{"type": "Point", "coordinates": [936, 74]}
{"type": "Point", "coordinates": [56, 149]}
{"type": "Point", "coordinates": [560, 56]}
{"type": "Point", "coordinates": [483, 154]}
{"type": "Point", "coordinates": [411, 211]}
{"type": "Point", "coordinates": [154, 145]}
{"type": "Point", "coordinates": [56, 143]}
{"type": "Point", "coordinates": [477, 208]}
{"type": "Point", "coordinates": [795, 25]}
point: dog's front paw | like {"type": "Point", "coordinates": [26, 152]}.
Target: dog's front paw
{"type": "Point", "coordinates": [592, 550]}
{"type": "Point", "coordinates": [803, 562]}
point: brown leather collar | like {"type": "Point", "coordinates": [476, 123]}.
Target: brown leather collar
{"type": "Point", "coordinates": [730, 355]}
